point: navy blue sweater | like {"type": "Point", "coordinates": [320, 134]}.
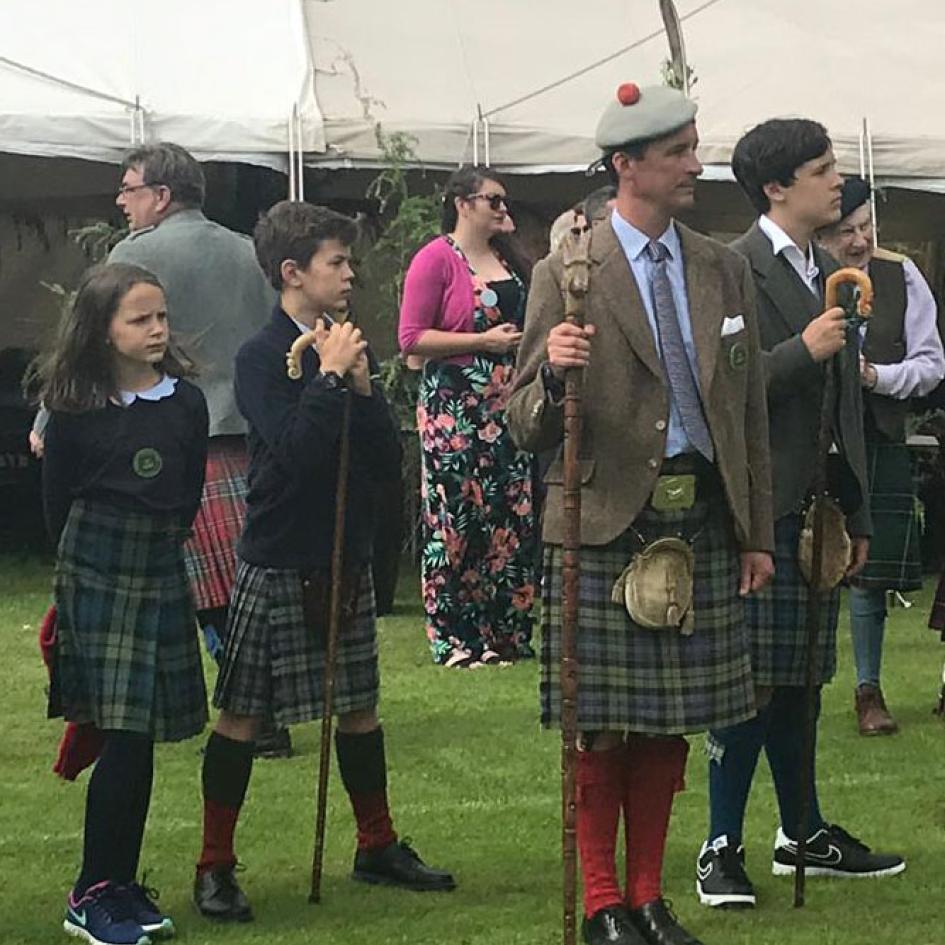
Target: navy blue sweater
{"type": "Point", "coordinates": [294, 438]}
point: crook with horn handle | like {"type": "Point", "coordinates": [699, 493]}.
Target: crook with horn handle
{"type": "Point", "coordinates": [859, 308]}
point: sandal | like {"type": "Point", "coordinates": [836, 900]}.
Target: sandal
{"type": "Point", "coordinates": [460, 659]}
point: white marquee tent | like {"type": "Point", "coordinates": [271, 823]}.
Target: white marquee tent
{"type": "Point", "coordinates": [518, 81]}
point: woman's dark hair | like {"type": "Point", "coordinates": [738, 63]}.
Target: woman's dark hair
{"type": "Point", "coordinates": [772, 152]}
{"type": "Point", "coordinates": [296, 231]}
{"type": "Point", "coordinates": [78, 373]}
{"type": "Point", "coordinates": [469, 180]}
{"type": "Point", "coordinates": [463, 182]}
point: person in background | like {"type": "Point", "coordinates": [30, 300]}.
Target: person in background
{"type": "Point", "coordinates": [901, 357]}
{"type": "Point", "coordinates": [463, 310]}
{"type": "Point", "coordinates": [219, 297]}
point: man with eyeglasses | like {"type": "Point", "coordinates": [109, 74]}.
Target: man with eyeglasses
{"type": "Point", "coordinates": [217, 297]}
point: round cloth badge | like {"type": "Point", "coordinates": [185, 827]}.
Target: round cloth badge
{"type": "Point", "coordinates": [147, 462]}
{"type": "Point", "coordinates": [738, 356]}
{"type": "Point", "coordinates": [489, 298]}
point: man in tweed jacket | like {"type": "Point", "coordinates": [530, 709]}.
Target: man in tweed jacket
{"type": "Point", "coordinates": [641, 689]}
{"type": "Point", "coordinates": [787, 169]}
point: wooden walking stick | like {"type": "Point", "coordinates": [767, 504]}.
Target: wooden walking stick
{"type": "Point", "coordinates": [294, 370]}
{"type": "Point", "coordinates": [860, 305]}
{"type": "Point", "coordinates": [575, 250]}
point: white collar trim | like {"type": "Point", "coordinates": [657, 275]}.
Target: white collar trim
{"type": "Point", "coordinates": [165, 387]}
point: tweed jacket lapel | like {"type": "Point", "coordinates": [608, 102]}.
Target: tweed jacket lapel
{"type": "Point", "coordinates": [612, 276]}
{"type": "Point", "coordinates": [706, 312]}
{"type": "Point", "coordinates": [775, 278]}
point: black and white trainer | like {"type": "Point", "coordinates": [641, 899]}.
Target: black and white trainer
{"type": "Point", "coordinates": [833, 852]}
{"type": "Point", "coordinates": [721, 880]}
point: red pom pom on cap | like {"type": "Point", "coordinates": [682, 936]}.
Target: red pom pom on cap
{"type": "Point", "coordinates": [628, 93]}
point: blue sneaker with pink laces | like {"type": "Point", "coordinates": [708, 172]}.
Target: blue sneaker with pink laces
{"type": "Point", "coordinates": [104, 915]}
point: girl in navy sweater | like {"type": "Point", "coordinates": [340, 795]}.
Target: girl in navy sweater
{"type": "Point", "coordinates": [122, 479]}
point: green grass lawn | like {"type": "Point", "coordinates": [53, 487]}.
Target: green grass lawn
{"type": "Point", "coordinates": [475, 783]}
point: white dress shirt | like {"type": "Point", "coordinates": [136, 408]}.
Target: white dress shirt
{"type": "Point", "coordinates": [782, 245]}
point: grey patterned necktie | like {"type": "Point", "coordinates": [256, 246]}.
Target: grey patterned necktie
{"type": "Point", "coordinates": [675, 361]}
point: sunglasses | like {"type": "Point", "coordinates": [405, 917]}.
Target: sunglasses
{"type": "Point", "coordinates": [495, 201]}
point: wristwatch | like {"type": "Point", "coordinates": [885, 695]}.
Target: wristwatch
{"type": "Point", "coordinates": [331, 380]}
{"type": "Point", "coordinates": [554, 386]}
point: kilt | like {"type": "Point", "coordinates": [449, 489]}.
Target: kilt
{"type": "Point", "coordinates": [894, 560]}
{"type": "Point", "coordinates": [777, 619]}
{"type": "Point", "coordinates": [210, 552]}
{"type": "Point", "coordinates": [272, 661]}
{"type": "Point", "coordinates": [656, 682]}
{"type": "Point", "coordinates": [127, 654]}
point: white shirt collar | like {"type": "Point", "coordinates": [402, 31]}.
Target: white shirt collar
{"type": "Point", "coordinates": [782, 244]}
{"type": "Point", "coordinates": [164, 388]}
{"type": "Point", "coordinates": [635, 241]}
{"type": "Point", "coordinates": [329, 321]}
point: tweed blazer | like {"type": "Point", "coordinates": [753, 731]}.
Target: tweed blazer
{"type": "Point", "coordinates": [626, 403]}
{"type": "Point", "coordinates": [795, 386]}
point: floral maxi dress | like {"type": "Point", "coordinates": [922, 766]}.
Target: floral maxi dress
{"type": "Point", "coordinates": [479, 540]}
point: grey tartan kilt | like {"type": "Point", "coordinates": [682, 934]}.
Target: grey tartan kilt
{"type": "Point", "coordinates": [894, 561]}
{"type": "Point", "coordinates": [273, 662]}
{"type": "Point", "coordinates": [127, 652]}
{"type": "Point", "coordinates": [777, 619]}
{"type": "Point", "coordinates": [652, 681]}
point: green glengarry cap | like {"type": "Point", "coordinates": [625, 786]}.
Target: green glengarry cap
{"type": "Point", "coordinates": [639, 114]}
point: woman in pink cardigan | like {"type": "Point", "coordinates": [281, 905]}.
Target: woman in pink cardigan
{"type": "Point", "coordinates": [462, 312]}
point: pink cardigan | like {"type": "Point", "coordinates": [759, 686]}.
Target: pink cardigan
{"type": "Point", "coordinates": [438, 293]}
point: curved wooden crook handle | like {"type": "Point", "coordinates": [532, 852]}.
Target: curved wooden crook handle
{"type": "Point", "coordinates": [293, 357]}
{"type": "Point", "coordinates": [864, 304]}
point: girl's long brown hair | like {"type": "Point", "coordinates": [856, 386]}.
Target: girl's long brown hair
{"type": "Point", "coordinates": [77, 373]}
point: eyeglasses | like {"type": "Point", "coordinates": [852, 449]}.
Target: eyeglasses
{"type": "Point", "coordinates": [125, 189]}
{"type": "Point", "coordinates": [495, 201]}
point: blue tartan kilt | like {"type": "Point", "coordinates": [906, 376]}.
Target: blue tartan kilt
{"type": "Point", "coordinates": [656, 682]}
{"type": "Point", "coordinates": [273, 661]}
{"type": "Point", "coordinates": [127, 654]}
{"type": "Point", "coordinates": [777, 619]}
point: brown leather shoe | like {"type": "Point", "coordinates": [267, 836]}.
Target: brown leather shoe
{"type": "Point", "coordinates": [872, 715]}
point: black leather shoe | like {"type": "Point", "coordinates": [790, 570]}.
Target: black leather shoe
{"type": "Point", "coordinates": [400, 865]}
{"type": "Point", "coordinates": [218, 896]}
{"type": "Point", "coordinates": [659, 926]}
{"type": "Point", "coordinates": [610, 926]}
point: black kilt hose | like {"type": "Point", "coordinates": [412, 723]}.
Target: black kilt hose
{"type": "Point", "coordinates": [127, 654]}
{"type": "Point", "coordinates": [273, 660]}
{"type": "Point", "coordinates": [777, 619]}
{"type": "Point", "coordinates": [656, 682]}
{"type": "Point", "coordinates": [894, 561]}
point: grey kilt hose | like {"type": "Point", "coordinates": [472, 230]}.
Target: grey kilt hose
{"type": "Point", "coordinates": [894, 561]}
{"type": "Point", "coordinates": [655, 682]}
{"type": "Point", "coordinates": [777, 619]}
{"type": "Point", "coordinates": [272, 661]}
{"type": "Point", "coordinates": [127, 654]}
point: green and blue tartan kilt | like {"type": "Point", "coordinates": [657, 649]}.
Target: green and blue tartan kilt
{"type": "Point", "coordinates": [894, 561]}
{"type": "Point", "coordinates": [777, 618]}
{"type": "Point", "coordinates": [127, 652]}
{"type": "Point", "coordinates": [273, 662]}
{"type": "Point", "coordinates": [655, 682]}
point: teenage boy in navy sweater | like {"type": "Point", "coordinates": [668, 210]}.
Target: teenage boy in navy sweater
{"type": "Point", "coordinates": [275, 649]}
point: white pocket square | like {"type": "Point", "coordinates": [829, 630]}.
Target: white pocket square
{"type": "Point", "coordinates": [732, 325]}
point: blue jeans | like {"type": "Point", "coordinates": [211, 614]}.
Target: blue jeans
{"type": "Point", "coordinates": [867, 627]}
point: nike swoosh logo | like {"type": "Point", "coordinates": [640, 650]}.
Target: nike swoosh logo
{"type": "Point", "coordinates": [831, 858]}
{"type": "Point", "coordinates": [80, 917]}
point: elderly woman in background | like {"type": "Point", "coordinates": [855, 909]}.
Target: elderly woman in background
{"type": "Point", "coordinates": [462, 312]}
